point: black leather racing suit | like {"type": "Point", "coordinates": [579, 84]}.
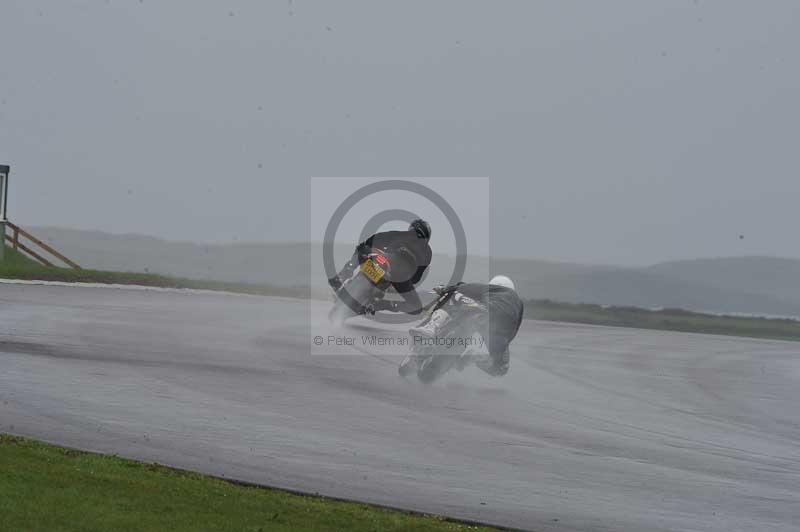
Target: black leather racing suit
{"type": "Point", "coordinates": [392, 242]}
{"type": "Point", "coordinates": [502, 319]}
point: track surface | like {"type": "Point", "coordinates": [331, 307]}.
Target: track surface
{"type": "Point", "coordinates": [593, 428]}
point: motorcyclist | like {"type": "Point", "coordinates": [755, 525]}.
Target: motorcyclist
{"type": "Point", "coordinates": [412, 243]}
{"type": "Point", "coordinates": [499, 307]}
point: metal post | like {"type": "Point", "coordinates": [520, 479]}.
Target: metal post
{"type": "Point", "coordinates": [4, 171]}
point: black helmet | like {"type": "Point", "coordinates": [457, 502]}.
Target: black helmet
{"type": "Point", "coordinates": [421, 227]}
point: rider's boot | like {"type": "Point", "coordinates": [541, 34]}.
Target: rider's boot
{"type": "Point", "coordinates": [433, 326]}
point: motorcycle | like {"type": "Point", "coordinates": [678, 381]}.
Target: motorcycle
{"type": "Point", "coordinates": [368, 284]}
{"type": "Point", "coordinates": [458, 344]}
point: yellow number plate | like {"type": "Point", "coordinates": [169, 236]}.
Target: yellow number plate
{"type": "Point", "coordinates": [373, 272]}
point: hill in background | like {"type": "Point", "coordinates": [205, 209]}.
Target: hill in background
{"type": "Point", "coordinates": [750, 285]}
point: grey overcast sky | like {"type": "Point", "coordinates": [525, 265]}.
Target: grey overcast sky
{"type": "Point", "coordinates": [614, 132]}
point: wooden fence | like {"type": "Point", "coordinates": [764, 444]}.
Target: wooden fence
{"type": "Point", "coordinates": [28, 247]}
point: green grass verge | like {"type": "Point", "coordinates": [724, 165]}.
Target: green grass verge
{"type": "Point", "coordinates": [667, 320]}
{"type": "Point", "coordinates": [52, 489]}
{"type": "Point", "coordinates": [15, 260]}
{"type": "Point", "coordinates": [17, 266]}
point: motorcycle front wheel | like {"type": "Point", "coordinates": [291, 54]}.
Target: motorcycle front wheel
{"type": "Point", "coordinates": [434, 366]}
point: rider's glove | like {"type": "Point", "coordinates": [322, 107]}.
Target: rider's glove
{"type": "Point", "coordinates": [369, 309]}
{"type": "Point", "coordinates": [362, 250]}
{"type": "Point", "coordinates": [335, 283]}
{"type": "Point", "coordinates": [439, 289]}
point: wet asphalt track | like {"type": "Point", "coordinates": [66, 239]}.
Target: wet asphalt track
{"type": "Point", "coordinates": [593, 429]}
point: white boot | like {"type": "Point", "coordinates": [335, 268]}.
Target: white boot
{"type": "Point", "coordinates": [435, 323]}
